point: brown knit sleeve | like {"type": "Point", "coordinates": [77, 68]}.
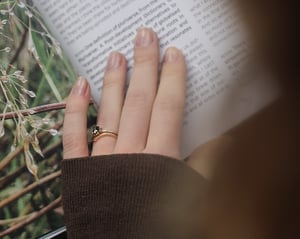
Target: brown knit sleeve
{"type": "Point", "coordinates": [130, 196]}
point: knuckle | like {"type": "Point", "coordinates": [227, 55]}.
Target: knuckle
{"type": "Point", "coordinates": [145, 59]}
{"type": "Point", "coordinates": [76, 106]}
{"type": "Point", "coordinates": [72, 110]}
{"type": "Point", "coordinates": [112, 82]}
{"type": "Point", "coordinates": [72, 145]}
{"type": "Point", "coordinates": [138, 99]}
{"type": "Point", "coordinates": [170, 103]}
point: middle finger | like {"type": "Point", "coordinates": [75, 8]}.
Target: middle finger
{"type": "Point", "coordinates": [141, 93]}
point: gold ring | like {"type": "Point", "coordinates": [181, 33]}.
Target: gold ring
{"type": "Point", "coordinates": [98, 132]}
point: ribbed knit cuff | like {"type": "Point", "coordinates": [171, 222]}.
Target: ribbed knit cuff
{"type": "Point", "coordinates": [122, 196]}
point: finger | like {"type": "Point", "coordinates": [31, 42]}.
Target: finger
{"type": "Point", "coordinates": [75, 121]}
{"type": "Point", "coordinates": [166, 121]}
{"type": "Point", "coordinates": [111, 102]}
{"type": "Point", "coordinates": [137, 108]}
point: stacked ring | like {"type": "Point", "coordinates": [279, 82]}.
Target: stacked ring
{"type": "Point", "coordinates": [98, 132]}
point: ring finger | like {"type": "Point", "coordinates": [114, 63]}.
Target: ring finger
{"type": "Point", "coordinates": [111, 102]}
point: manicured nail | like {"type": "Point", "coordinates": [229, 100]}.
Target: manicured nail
{"type": "Point", "coordinates": [114, 61]}
{"type": "Point", "coordinates": [144, 37]}
{"type": "Point", "coordinates": [172, 55]}
{"type": "Point", "coordinates": [80, 87]}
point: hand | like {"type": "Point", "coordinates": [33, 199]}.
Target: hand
{"type": "Point", "coordinates": [147, 120]}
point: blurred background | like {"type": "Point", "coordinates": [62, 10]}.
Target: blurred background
{"type": "Point", "coordinates": [35, 79]}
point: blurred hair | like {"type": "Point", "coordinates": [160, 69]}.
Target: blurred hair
{"type": "Point", "coordinates": [255, 190]}
{"type": "Point", "coordinates": [275, 29]}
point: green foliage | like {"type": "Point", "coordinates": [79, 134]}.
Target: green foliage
{"type": "Point", "coordinates": [33, 72]}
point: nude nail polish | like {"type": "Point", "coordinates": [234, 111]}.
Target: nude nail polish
{"type": "Point", "coordinates": [114, 61]}
{"type": "Point", "coordinates": [144, 37]}
{"type": "Point", "coordinates": [80, 87]}
{"type": "Point", "coordinates": [172, 55]}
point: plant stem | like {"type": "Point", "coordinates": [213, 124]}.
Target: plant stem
{"type": "Point", "coordinates": [32, 186]}
{"type": "Point", "coordinates": [36, 110]}
{"type": "Point", "coordinates": [32, 218]}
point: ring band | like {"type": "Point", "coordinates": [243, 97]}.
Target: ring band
{"type": "Point", "coordinates": [98, 132]}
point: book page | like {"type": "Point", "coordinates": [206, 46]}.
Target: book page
{"type": "Point", "coordinates": [219, 96]}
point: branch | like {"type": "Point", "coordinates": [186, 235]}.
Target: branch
{"type": "Point", "coordinates": [10, 157]}
{"type": "Point", "coordinates": [36, 110]}
{"type": "Point", "coordinates": [4, 181]}
{"type": "Point", "coordinates": [4, 222]}
{"type": "Point", "coordinates": [32, 186]}
{"type": "Point", "coordinates": [6, 161]}
{"type": "Point", "coordinates": [33, 217]}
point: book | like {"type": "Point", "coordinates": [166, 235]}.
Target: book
{"type": "Point", "coordinates": [220, 93]}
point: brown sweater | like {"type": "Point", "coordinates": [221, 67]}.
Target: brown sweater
{"type": "Point", "coordinates": [131, 196]}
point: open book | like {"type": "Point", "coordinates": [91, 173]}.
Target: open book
{"type": "Point", "coordinates": [209, 32]}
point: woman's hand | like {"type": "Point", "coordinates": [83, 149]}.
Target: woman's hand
{"type": "Point", "coordinates": [147, 120]}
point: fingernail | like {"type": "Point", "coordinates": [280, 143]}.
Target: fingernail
{"type": "Point", "coordinates": [172, 55]}
{"type": "Point", "coordinates": [114, 61]}
{"type": "Point", "coordinates": [144, 37]}
{"type": "Point", "coordinates": [80, 87]}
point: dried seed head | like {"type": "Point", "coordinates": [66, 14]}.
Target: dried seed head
{"type": "Point", "coordinates": [13, 89]}
{"type": "Point", "coordinates": [29, 160]}
{"type": "Point", "coordinates": [4, 22]}
{"type": "Point", "coordinates": [36, 123]}
{"type": "Point", "coordinates": [4, 79]}
{"type": "Point", "coordinates": [30, 93]}
{"type": "Point", "coordinates": [46, 121]}
{"type": "Point", "coordinates": [9, 104]}
{"type": "Point", "coordinates": [3, 12]}
{"type": "Point", "coordinates": [12, 147]}
{"type": "Point", "coordinates": [18, 73]}
{"type": "Point", "coordinates": [29, 13]}
{"type": "Point", "coordinates": [7, 49]}
{"type": "Point", "coordinates": [23, 101]}
{"type": "Point", "coordinates": [21, 4]}
{"type": "Point", "coordinates": [36, 146]}
{"type": "Point", "coordinates": [53, 132]}
{"type": "Point", "coordinates": [22, 79]}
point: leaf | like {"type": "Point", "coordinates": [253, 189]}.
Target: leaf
{"type": "Point", "coordinates": [37, 44]}
{"type": "Point", "coordinates": [29, 160]}
{"type": "Point", "coordinates": [36, 146]}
